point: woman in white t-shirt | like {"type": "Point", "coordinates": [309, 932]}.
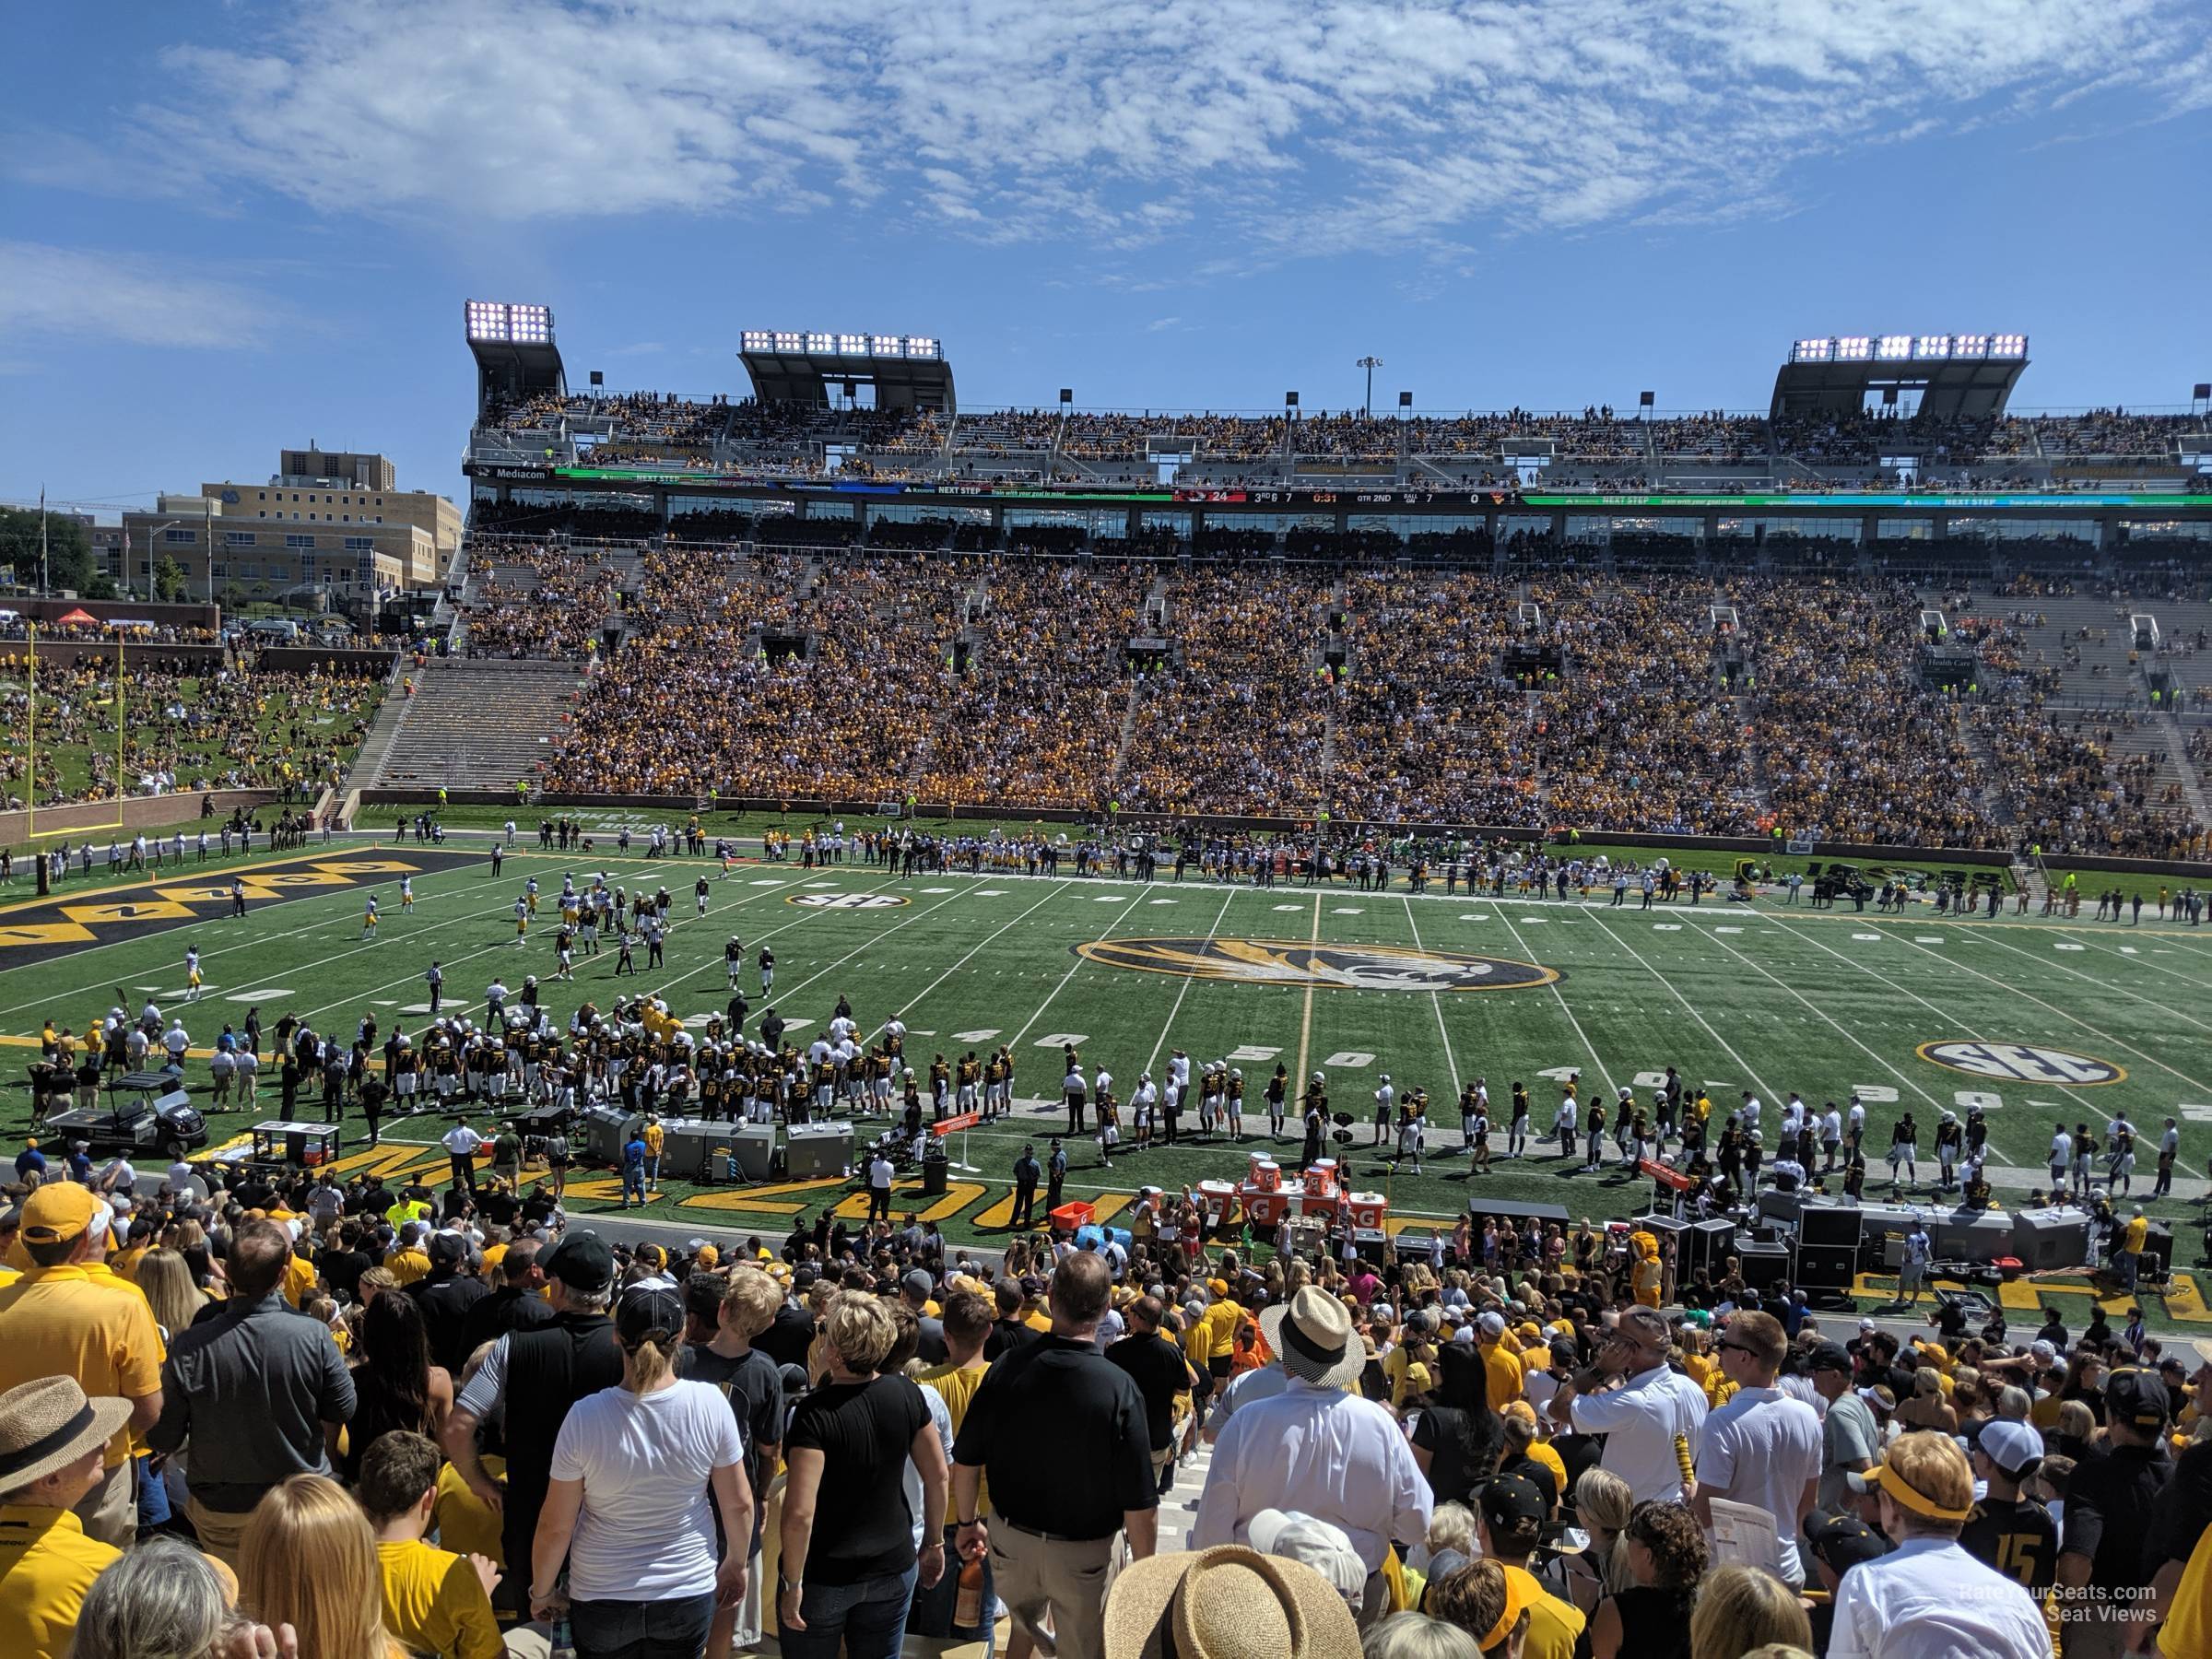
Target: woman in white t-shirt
{"type": "Point", "coordinates": [628, 1506]}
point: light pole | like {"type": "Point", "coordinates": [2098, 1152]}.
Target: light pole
{"type": "Point", "coordinates": [157, 530]}
{"type": "Point", "coordinates": [1370, 363]}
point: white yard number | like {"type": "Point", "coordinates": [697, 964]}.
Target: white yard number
{"type": "Point", "coordinates": [1874, 1094]}
{"type": "Point", "coordinates": [2194, 1114]}
{"type": "Point", "coordinates": [1253, 1053]}
{"type": "Point", "coordinates": [1349, 1059]}
{"type": "Point", "coordinates": [1648, 1080]}
{"type": "Point", "coordinates": [1061, 1040]}
{"type": "Point", "coordinates": [975, 1036]}
{"type": "Point", "coordinates": [1966, 1100]}
{"type": "Point", "coordinates": [1561, 1074]}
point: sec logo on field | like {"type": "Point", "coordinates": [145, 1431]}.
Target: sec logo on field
{"type": "Point", "coordinates": [2022, 1063]}
{"type": "Point", "coordinates": [848, 900]}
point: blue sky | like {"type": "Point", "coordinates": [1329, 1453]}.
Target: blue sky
{"type": "Point", "coordinates": [231, 227]}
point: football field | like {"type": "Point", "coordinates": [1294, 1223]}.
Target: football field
{"type": "Point", "coordinates": [2035, 1021]}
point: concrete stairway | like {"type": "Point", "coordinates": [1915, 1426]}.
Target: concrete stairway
{"type": "Point", "coordinates": [477, 725]}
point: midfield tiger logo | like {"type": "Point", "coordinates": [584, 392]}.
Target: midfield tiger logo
{"type": "Point", "coordinates": [1296, 962]}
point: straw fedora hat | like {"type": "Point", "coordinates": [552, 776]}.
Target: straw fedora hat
{"type": "Point", "coordinates": [1227, 1603]}
{"type": "Point", "coordinates": [1312, 1334]}
{"type": "Point", "coordinates": [50, 1423]}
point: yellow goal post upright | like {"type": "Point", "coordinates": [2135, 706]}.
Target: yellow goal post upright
{"type": "Point", "coordinates": [30, 742]}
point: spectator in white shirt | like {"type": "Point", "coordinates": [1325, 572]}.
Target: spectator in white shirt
{"type": "Point", "coordinates": [1762, 1447]}
{"type": "Point", "coordinates": [461, 1144]}
{"type": "Point", "coordinates": [1642, 1405]}
{"type": "Point", "coordinates": [1928, 1598]}
{"type": "Point", "coordinates": [1316, 1449]}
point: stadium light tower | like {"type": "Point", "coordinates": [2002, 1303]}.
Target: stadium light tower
{"type": "Point", "coordinates": [1370, 363]}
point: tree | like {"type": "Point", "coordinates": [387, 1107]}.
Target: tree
{"type": "Point", "coordinates": [68, 547]}
{"type": "Point", "coordinates": [169, 580]}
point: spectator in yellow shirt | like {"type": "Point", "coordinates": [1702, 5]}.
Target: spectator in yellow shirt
{"type": "Point", "coordinates": [1501, 1366]}
{"type": "Point", "coordinates": [410, 1261]}
{"type": "Point", "coordinates": [52, 1454]}
{"type": "Point", "coordinates": [435, 1602]}
{"type": "Point", "coordinates": [57, 1321]}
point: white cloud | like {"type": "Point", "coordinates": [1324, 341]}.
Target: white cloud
{"type": "Point", "coordinates": [1263, 129]}
{"type": "Point", "coordinates": [49, 292]}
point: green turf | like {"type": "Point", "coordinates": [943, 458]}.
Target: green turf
{"type": "Point", "coordinates": [1769, 997]}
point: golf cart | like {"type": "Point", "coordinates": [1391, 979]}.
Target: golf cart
{"type": "Point", "coordinates": [144, 1112]}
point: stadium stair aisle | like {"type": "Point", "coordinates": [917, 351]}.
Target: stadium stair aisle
{"type": "Point", "coordinates": [478, 723]}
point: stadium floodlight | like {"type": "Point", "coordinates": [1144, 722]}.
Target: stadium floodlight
{"type": "Point", "coordinates": [923, 347]}
{"type": "Point", "coordinates": [1974, 347]}
{"type": "Point", "coordinates": [787, 341]}
{"type": "Point", "coordinates": [1931, 345]}
{"type": "Point", "coordinates": [2008, 346]}
{"type": "Point", "coordinates": [487, 320]}
{"type": "Point", "coordinates": [529, 325]}
{"type": "Point", "coordinates": [1892, 348]}
{"type": "Point", "coordinates": [887, 345]}
{"type": "Point", "coordinates": [820, 344]}
{"type": "Point", "coordinates": [757, 339]}
{"type": "Point", "coordinates": [1812, 351]}
{"type": "Point", "coordinates": [851, 344]}
{"type": "Point", "coordinates": [1854, 348]}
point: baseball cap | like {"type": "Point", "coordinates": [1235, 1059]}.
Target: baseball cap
{"type": "Point", "coordinates": [1509, 1500]}
{"type": "Point", "coordinates": [581, 1261]}
{"type": "Point", "coordinates": [1843, 1541]}
{"type": "Point", "coordinates": [2014, 1447]}
{"type": "Point", "coordinates": [1317, 1543]}
{"type": "Point", "coordinates": [917, 1283]}
{"type": "Point", "coordinates": [1491, 1324]}
{"type": "Point", "coordinates": [58, 1212]}
{"type": "Point", "coordinates": [2132, 1396]}
{"type": "Point", "coordinates": [1830, 1356]}
{"type": "Point", "coordinates": [651, 1311]}
{"type": "Point", "coordinates": [2041, 1352]}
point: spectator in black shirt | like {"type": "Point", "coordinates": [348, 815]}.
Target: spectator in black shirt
{"type": "Point", "coordinates": [517, 1304]}
{"type": "Point", "coordinates": [723, 1319]}
{"type": "Point", "coordinates": [445, 1298]}
{"type": "Point", "coordinates": [342, 1265]}
{"type": "Point", "coordinates": [1062, 1436]}
{"type": "Point", "coordinates": [790, 1333]}
{"type": "Point", "coordinates": [1160, 1373]}
{"type": "Point", "coordinates": [849, 1565]}
{"type": "Point", "coordinates": [1010, 1331]}
{"type": "Point", "coordinates": [2110, 1503]}
{"type": "Point", "coordinates": [916, 1289]}
{"type": "Point", "coordinates": [2186, 1510]}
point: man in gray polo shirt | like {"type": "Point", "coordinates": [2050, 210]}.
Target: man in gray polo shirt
{"type": "Point", "coordinates": [1851, 1441]}
{"type": "Point", "coordinates": [254, 1386]}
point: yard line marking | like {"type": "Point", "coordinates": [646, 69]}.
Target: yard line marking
{"type": "Point", "coordinates": [1305, 1020]}
{"type": "Point", "coordinates": [2189, 980]}
{"type": "Point", "coordinates": [2101, 1036]}
{"type": "Point", "coordinates": [1074, 968]}
{"type": "Point", "coordinates": [791, 991]}
{"type": "Point", "coordinates": [1436, 1000]}
{"type": "Point", "coordinates": [1895, 985]}
{"type": "Point", "coordinates": [1176, 1007]}
{"type": "Point", "coordinates": [1591, 1048]}
{"type": "Point", "coordinates": [1879, 1060]}
{"type": "Point", "coordinates": [1687, 1007]}
{"type": "Point", "coordinates": [909, 1006]}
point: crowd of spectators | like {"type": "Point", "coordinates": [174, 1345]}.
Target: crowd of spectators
{"type": "Point", "coordinates": [237, 728]}
{"type": "Point", "coordinates": [1238, 719]}
{"type": "Point", "coordinates": [1380, 692]}
{"type": "Point", "coordinates": [538, 599]}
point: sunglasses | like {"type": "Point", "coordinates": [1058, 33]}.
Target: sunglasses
{"type": "Point", "coordinates": [1741, 1348]}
